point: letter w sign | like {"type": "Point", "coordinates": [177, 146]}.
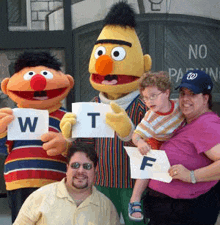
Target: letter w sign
{"type": "Point", "coordinates": [29, 124]}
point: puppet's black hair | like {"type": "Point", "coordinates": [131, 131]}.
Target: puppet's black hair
{"type": "Point", "coordinates": [33, 59]}
{"type": "Point", "coordinates": [121, 14]}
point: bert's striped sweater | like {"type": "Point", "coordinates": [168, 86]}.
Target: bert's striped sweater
{"type": "Point", "coordinates": [114, 164]}
{"type": "Point", "coordinates": [27, 165]}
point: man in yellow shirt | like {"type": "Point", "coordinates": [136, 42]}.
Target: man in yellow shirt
{"type": "Point", "coordinates": [74, 200]}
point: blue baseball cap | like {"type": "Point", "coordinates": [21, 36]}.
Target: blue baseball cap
{"type": "Point", "coordinates": [197, 81]}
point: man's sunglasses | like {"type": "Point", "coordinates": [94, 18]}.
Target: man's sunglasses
{"type": "Point", "coordinates": [86, 166]}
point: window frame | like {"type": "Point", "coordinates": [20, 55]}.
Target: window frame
{"type": "Point", "coordinates": [28, 20]}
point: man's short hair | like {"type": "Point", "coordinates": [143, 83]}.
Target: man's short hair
{"type": "Point", "coordinates": [85, 148]}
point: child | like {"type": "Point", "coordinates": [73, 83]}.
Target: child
{"type": "Point", "coordinates": [157, 126]}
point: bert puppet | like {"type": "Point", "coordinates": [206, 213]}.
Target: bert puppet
{"type": "Point", "coordinates": [116, 64]}
{"type": "Point", "coordinates": [37, 83]}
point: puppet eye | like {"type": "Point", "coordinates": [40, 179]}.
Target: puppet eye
{"type": "Point", "coordinates": [29, 75]}
{"type": "Point", "coordinates": [118, 53]}
{"type": "Point", "coordinates": [47, 74]}
{"type": "Point", "coordinates": [100, 51]}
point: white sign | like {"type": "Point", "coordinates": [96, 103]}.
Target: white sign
{"type": "Point", "coordinates": [91, 120]}
{"type": "Point", "coordinates": [154, 165]}
{"type": "Point", "coordinates": [29, 124]}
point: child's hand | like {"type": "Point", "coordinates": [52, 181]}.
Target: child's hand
{"type": "Point", "coordinates": [143, 147]}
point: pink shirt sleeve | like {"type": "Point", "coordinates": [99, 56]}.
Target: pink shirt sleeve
{"type": "Point", "coordinates": [206, 133]}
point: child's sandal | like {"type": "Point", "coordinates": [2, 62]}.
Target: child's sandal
{"type": "Point", "coordinates": [132, 210]}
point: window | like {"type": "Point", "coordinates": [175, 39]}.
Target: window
{"type": "Point", "coordinates": [19, 15]}
{"type": "Point", "coordinates": [32, 15]}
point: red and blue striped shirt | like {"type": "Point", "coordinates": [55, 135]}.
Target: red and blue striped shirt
{"type": "Point", "coordinates": [27, 165]}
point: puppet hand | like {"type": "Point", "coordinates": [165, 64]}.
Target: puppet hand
{"type": "Point", "coordinates": [66, 124]}
{"type": "Point", "coordinates": [55, 143]}
{"type": "Point", "coordinates": [6, 117]}
{"type": "Point", "coordinates": [119, 120]}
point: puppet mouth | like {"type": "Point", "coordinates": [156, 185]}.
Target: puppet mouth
{"type": "Point", "coordinates": [113, 79]}
{"type": "Point", "coordinates": [40, 95]}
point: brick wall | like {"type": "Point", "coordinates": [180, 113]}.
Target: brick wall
{"type": "Point", "coordinates": [39, 11]}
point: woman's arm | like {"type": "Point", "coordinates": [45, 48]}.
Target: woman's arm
{"type": "Point", "coordinates": [211, 172]}
{"type": "Point", "coordinates": [204, 174]}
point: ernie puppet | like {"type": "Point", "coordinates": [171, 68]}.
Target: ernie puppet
{"type": "Point", "coordinates": [37, 83]}
{"type": "Point", "coordinates": [116, 64]}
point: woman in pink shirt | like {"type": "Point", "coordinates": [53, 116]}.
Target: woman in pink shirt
{"type": "Point", "coordinates": [192, 197]}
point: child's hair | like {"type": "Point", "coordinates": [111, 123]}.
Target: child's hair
{"type": "Point", "coordinates": [159, 79]}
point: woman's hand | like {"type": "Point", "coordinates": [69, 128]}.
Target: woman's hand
{"type": "Point", "coordinates": [180, 172]}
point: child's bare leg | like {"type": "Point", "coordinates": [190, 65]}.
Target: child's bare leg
{"type": "Point", "coordinates": [139, 187]}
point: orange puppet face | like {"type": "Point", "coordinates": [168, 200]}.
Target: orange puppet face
{"type": "Point", "coordinates": [37, 87]}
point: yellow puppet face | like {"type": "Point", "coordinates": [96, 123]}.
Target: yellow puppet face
{"type": "Point", "coordinates": [117, 61]}
{"type": "Point", "coordinates": [37, 87]}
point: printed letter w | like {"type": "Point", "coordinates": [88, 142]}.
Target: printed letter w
{"type": "Point", "coordinates": [27, 122]}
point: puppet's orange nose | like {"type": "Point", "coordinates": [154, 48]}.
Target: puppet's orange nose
{"type": "Point", "coordinates": [104, 65]}
{"type": "Point", "coordinates": [38, 82]}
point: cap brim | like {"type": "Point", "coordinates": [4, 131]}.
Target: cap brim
{"type": "Point", "coordinates": [192, 88]}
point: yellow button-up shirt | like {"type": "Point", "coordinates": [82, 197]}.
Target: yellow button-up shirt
{"type": "Point", "coordinates": [52, 204]}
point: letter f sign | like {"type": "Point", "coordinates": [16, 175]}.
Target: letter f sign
{"type": "Point", "coordinates": [145, 162]}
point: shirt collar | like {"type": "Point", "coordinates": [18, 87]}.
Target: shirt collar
{"type": "Point", "coordinates": [63, 193]}
{"type": "Point", "coordinates": [123, 102]}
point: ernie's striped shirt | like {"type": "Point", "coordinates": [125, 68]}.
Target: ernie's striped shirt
{"type": "Point", "coordinates": [160, 126]}
{"type": "Point", "coordinates": [27, 165]}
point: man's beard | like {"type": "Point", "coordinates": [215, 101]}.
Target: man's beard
{"type": "Point", "coordinates": [78, 185]}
